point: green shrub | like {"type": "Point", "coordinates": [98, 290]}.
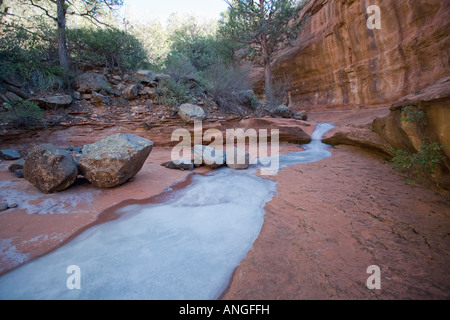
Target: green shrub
{"type": "Point", "coordinates": [111, 47]}
{"type": "Point", "coordinates": [418, 164]}
{"type": "Point", "coordinates": [179, 67]}
{"type": "Point", "coordinates": [30, 58]}
{"type": "Point", "coordinates": [22, 114]}
{"type": "Point", "coordinates": [229, 87]}
{"type": "Point", "coordinates": [413, 114]}
{"type": "Point", "coordinates": [173, 93]}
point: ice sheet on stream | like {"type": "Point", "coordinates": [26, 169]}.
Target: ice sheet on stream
{"type": "Point", "coordinates": [186, 248]}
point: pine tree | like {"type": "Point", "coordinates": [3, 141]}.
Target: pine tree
{"type": "Point", "coordinates": [263, 26]}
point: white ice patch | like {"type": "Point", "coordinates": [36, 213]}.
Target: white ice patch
{"type": "Point", "coordinates": [186, 248]}
{"type": "Point", "coordinates": [36, 202]}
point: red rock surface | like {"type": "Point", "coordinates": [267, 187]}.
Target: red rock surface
{"type": "Point", "coordinates": [333, 219]}
{"type": "Point", "coordinates": [340, 63]}
{"type": "Point", "coordinates": [34, 230]}
{"type": "Point", "coordinates": [329, 221]}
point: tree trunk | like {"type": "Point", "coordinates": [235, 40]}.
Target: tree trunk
{"type": "Point", "coordinates": [267, 68]}
{"type": "Point", "coordinates": [266, 55]}
{"type": "Point", "coordinates": [268, 77]}
{"type": "Point", "coordinates": [62, 43]}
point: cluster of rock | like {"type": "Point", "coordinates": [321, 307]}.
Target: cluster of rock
{"type": "Point", "coordinates": [94, 86]}
{"type": "Point", "coordinates": [100, 88]}
{"type": "Point", "coordinates": [106, 164]}
{"type": "Point", "coordinates": [236, 159]}
{"type": "Point", "coordinates": [285, 112]}
{"type": "Point", "coordinates": [14, 90]}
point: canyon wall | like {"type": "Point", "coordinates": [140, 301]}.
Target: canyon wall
{"type": "Point", "coordinates": [339, 63]}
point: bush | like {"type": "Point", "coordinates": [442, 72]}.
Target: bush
{"type": "Point", "coordinates": [413, 114]}
{"type": "Point", "coordinates": [179, 67]}
{"type": "Point", "coordinates": [277, 95]}
{"type": "Point", "coordinates": [22, 114]}
{"type": "Point", "coordinates": [30, 58]}
{"type": "Point", "coordinates": [111, 47]}
{"type": "Point", "coordinates": [229, 87]}
{"type": "Point", "coordinates": [173, 93]}
{"type": "Point", "coordinates": [424, 162]}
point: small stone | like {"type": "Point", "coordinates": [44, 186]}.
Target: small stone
{"type": "Point", "coordinates": [19, 173]}
{"type": "Point", "coordinates": [13, 205]}
{"type": "Point", "coordinates": [180, 164]}
{"type": "Point", "coordinates": [17, 165]}
{"type": "Point", "coordinates": [3, 206]}
{"type": "Point", "coordinates": [9, 154]}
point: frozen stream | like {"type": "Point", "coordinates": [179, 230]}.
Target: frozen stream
{"type": "Point", "coordinates": [186, 248]}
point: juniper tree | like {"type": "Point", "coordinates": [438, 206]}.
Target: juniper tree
{"type": "Point", "coordinates": [263, 26]}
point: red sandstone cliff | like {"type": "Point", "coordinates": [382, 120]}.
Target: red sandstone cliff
{"type": "Point", "coordinates": [339, 63]}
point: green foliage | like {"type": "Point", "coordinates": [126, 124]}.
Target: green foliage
{"type": "Point", "coordinates": [172, 93]}
{"type": "Point", "coordinates": [27, 56]}
{"type": "Point", "coordinates": [198, 44]}
{"type": "Point", "coordinates": [22, 114]}
{"type": "Point", "coordinates": [262, 28]}
{"type": "Point", "coordinates": [413, 114]}
{"type": "Point", "coordinates": [418, 164]}
{"type": "Point", "coordinates": [111, 47]}
{"type": "Point", "coordinates": [179, 67]}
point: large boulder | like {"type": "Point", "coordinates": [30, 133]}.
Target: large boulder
{"type": "Point", "coordinates": [301, 115]}
{"type": "Point", "coordinates": [91, 81]}
{"type": "Point", "coordinates": [191, 113]}
{"type": "Point", "coordinates": [100, 98]}
{"type": "Point", "coordinates": [283, 112]}
{"type": "Point", "coordinates": [131, 92]}
{"type": "Point", "coordinates": [238, 159]}
{"type": "Point", "coordinates": [50, 169]}
{"type": "Point", "coordinates": [208, 156]}
{"type": "Point", "coordinates": [144, 76]}
{"type": "Point", "coordinates": [57, 101]}
{"type": "Point", "coordinates": [113, 161]}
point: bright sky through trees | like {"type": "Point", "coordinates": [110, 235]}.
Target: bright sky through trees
{"type": "Point", "coordinates": [161, 9]}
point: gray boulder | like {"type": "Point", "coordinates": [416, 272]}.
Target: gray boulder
{"type": "Point", "coordinates": [61, 100]}
{"type": "Point", "coordinates": [301, 115]}
{"type": "Point", "coordinates": [283, 112]}
{"type": "Point", "coordinates": [91, 81]}
{"type": "Point", "coordinates": [100, 98]}
{"type": "Point", "coordinates": [180, 164]}
{"type": "Point", "coordinates": [9, 154]}
{"type": "Point", "coordinates": [18, 165]}
{"type": "Point", "coordinates": [113, 161]}
{"type": "Point", "coordinates": [144, 76]}
{"type": "Point", "coordinates": [50, 169]}
{"type": "Point", "coordinates": [191, 113]}
{"type": "Point", "coordinates": [131, 92]}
